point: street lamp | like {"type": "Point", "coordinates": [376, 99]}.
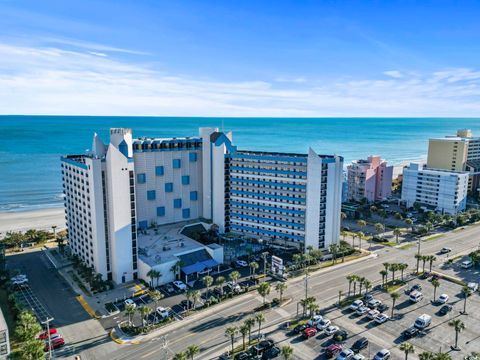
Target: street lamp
{"type": "Point", "coordinates": [306, 284]}
{"type": "Point", "coordinates": [47, 322]}
{"type": "Point", "coordinates": [264, 255]}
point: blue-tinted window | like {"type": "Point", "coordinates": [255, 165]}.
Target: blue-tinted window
{"type": "Point", "coordinates": [177, 163]}
{"type": "Point", "coordinates": [168, 187]}
{"type": "Point", "coordinates": [186, 213]}
{"type": "Point", "coordinates": [161, 211]}
{"type": "Point", "coordinates": [151, 195]}
{"type": "Point", "coordinates": [141, 178]}
{"type": "Point", "coordinates": [193, 195]}
{"type": "Point", "coordinates": [142, 225]}
{"type": "Point", "coordinates": [177, 203]}
{"type": "Point", "coordinates": [185, 180]}
{"type": "Point", "coordinates": [159, 170]}
{"type": "Point", "coordinates": [192, 156]}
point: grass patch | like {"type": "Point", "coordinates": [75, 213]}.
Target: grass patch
{"type": "Point", "coordinates": [295, 323]}
{"type": "Point", "coordinates": [394, 287]}
{"type": "Point", "coordinates": [406, 246]}
{"type": "Point", "coordinates": [240, 349]}
{"type": "Point", "coordinates": [433, 237]}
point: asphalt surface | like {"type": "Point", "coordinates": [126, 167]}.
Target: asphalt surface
{"type": "Point", "coordinates": [208, 332]}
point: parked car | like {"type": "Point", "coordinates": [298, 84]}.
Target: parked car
{"type": "Point", "coordinates": [299, 328]}
{"type": "Point", "coordinates": [169, 288]}
{"type": "Point", "coordinates": [416, 296]}
{"type": "Point", "coordinates": [445, 309]}
{"type": "Point", "coordinates": [383, 354]}
{"type": "Point", "coordinates": [374, 303]}
{"type": "Point", "coordinates": [271, 353]}
{"type": "Point", "coordinates": [467, 264]}
{"type": "Point", "coordinates": [340, 335]}
{"type": "Point", "coordinates": [362, 310]}
{"type": "Point", "coordinates": [44, 335]}
{"type": "Point", "coordinates": [179, 285]}
{"type": "Point", "coordinates": [445, 250]}
{"type": "Point", "coordinates": [355, 305]}
{"type": "Point", "coordinates": [130, 302]}
{"type": "Point", "coordinates": [56, 343]}
{"type": "Point", "coordinates": [333, 350]}
{"type": "Point", "coordinates": [241, 263]}
{"type": "Point", "coordinates": [381, 318]}
{"type": "Point", "coordinates": [360, 344]}
{"type": "Point", "coordinates": [234, 286]}
{"type": "Point", "coordinates": [372, 314]}
{"type": "Point", "coordinates": [345, 354]}
{"type": "Point", "coordinates": [263, 345]}
{"type": "Point", "coordinates": [416, 287]}
{"type": "Point", "coordinates": [382, 307]}
{"type": "Point", "coordinates": [314, 320]}
{"type": "Point", "coordinates": [410, 332]}
{"type": "Point", "coordinates": [473, 286]}
{"type": "Point", "coordinates": [442, 299]}
{"type": "Point", "coordinates": [186, 304]}
{"type": "Point", "coordinates": [358, 357]}
{"type": "Point", "coordinates": [423, 321]}
{"type": "Point", "coordinates": [367, 297]}
{"type": "Point", "coordinates": [161, 311]}
{"type": "Point", "coordinates": [330, 330]}
{"type": "Point", "coordinates": [243, 356]}
{"type": "Point", "coordinates": [309, 332]}
{"type": "Point", "coordinates": [323, 324]}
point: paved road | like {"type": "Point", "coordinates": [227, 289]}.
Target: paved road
{"type": "Point", "coordinates": [208, 332]}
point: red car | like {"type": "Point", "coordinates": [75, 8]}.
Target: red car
{"type": "Point", "coordinates": [333, 350]}
{"type": "Point", "coordinates": [44, 335]}
{"type": "Point", "coordinates": [309, 332]}
{"type": "Point", "coordinates": [56, 343]}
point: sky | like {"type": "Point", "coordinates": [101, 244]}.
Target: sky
{"type": "Point", "coordinates": [240, 58]}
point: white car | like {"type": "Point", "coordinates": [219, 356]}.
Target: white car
{"type": "Point", "coordinates": [323, 324]}
{"type": "Point", "coordinates": [358, 357]}
{"type": "Point", "coordinates": [130, 302]}
{"type": "Point", "coordinates": [467, 264]}
{"type": "Point", "coordinates": [345, 354]}
{"type": "Point", "coordinates": [383, 354]}
{"type": "Point", "coordinates": [241, 263]}
{"type": "Point", "coordinates": [381, 318]}
{"type": "Point", "coordinates": [315, 320]}
{"type": "Point", "coordinates": [330, 330]}
{"type": "Point", "coordinates": [162, 312]}
{"type": "Point", "coordinates": [374, 303]}
{"type": "Point", "coordinates": [372, 314]}
{"type": "Point", "coordinates": [362, 310]}
{"type": "Point", "coordinates": [355, 305]}
{"type": "Point", "coordinates": [442, 299]}
{"type": "Point", "coordinates": [445, 250]}
{"type": "Point", "coordinates": [233, 286]}
{"type": "Point", "coordinates": [180, 285]}
{"type": "Point", "coordinates": [472, 286]}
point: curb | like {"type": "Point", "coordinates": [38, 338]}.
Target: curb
{"type": "Point", "coordinates": [120, 341]}
{"type": "Point", "coordinates": [87, 307]}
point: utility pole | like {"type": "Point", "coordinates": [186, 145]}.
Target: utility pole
{"type": "Point", "coordinates": [264, 255]}
{"type": "Point", "coordinates": [306, 284]}
{"type": "Point", "coordinates": [418, 249]}
{"type": "Point", "coordinates": [47, 321]}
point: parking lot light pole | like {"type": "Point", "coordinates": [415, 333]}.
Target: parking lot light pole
{"type": "Point", "coordinates": [306, 284]}
{"type": "Point", "coordinates": [47, 321]}
{"type": "Point", "coordinates": [264, 255]}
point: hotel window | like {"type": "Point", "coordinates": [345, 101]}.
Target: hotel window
{"type": "Point", "coordinates": [185, 180]}
{"type": "Point", "coordinates": [192, 156]}
{"type": "Point", "coordinates": [151, 195]}
{"type": "Point", "coordinates": [142, 225]}
{"type": "Point", "coordinates": [177, 203]}
{"type": "Point", "coordinates": [186, 213]}
{"type": "Point", "coordinates": [193, 195]}
{"type": "Point", "coordinates": [161, 211]}
{"type": "Point", "coordinates": [168, 187]}
{"type": "Point", "coordinates": [141, 178]}
{"type": "Point", "coordinates": [176, 163]}
{"type": "Point", "coordinates": [159, 171]}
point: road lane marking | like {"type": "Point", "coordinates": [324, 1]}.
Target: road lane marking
{"type": "Point", "coordinates": [148, 354]}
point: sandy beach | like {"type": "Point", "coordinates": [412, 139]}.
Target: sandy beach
{"type": "Point", "coordinates": [38, 219]}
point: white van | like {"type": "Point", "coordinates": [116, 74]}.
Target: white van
{"type": "Point", "coordinates": [416, 296]}
{"type": "Point", "coordinates": [467, 264]}
{"type": "Point", "coordinates": [423, 321]}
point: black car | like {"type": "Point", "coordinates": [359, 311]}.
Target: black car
{"type": "Point", "coordinates": [242, 356]}
{"type": "Point", "coordinates": [410, 332]}
{"type": "Point", "coordinates": [340, 335]}
{"type": "Point", "coordinates": [360, 344]}
{"type": "Point", "coordinates": [299, 328]}
{"type": "Point", "coordinates": [416, 287]}
{"type": "Point", "coordinates": [271, 353]}
{"type": "Point", "coordinates": [382, 307]}
{"type": "Point", "coordinates": [445, 309]}
{"type": "Point", "coordinates": [186, 304]}
{"type": "Point", "coordinates": [262, 346]}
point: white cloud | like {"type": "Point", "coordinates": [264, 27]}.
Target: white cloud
{"type": "Point", "coordinates": [55, 81]}
{"type": "Point", "coordinates": [394, 74]}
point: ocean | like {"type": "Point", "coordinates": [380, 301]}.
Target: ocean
{"type": "Point", "coordinates": [31, 146]}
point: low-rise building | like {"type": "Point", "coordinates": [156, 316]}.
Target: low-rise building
{"type": "Point", "coordinates": [4, 338]}
{"type": "Point", "coordinates": [436, 189]}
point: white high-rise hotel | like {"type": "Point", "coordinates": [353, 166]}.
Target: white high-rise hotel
{"type": "Point", "coordinates": [130, 184]}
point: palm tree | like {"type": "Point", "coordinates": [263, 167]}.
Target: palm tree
{"type": "Point", "coordinates": [431, 259]}
{"type": "Point", "coordinates": [313, 308]}
{"type": "Point", "coordinates": [354, 235]}
{"type": "Point", "coordinates": [280, 288]}
{"type": "Point", "coordinates": [175, 269]}
{"type": "Point", "coordinates": [243, 329]}
{"type": "Point", "coordinates": [351, 279]}
{"type": "Point", "coordinates": [379, 228]}
{"type": "Point", "coordinates": [207, 281]}
{"type": "Point", "coordinates": [219, 281]}
{"type": "Point", "coordinates": [156, 297]}
{"type": "Point", "coordinates": [426, 355]}
{"type": "Point", "coordinates": [407, 348]}
{"type": "Point", "coordinates": [144, 312]}
{"type": "Point", "coordinates": [393, 268]}
{"type": "Point", "coordinates": [259, 319]}
{"type": "Point", "coordinates": [191, 351]}
{"type": "Point", "coordinates": [435, 284]}
{"type": "Point", "coordinates": [195, 295]}
{"type": "Point", "coordinates": [130, 311]}
{"type": "Point", "coordinates": [368, 284]}
{"type": "Point", "coordinates": [334, 250]}
{"type": "Point", "coordinates": [249, 324]}
{"type": "Point", "coordinates": [397, 232]}
{"type": "Point", "coordinates": [360, 283]}
{"type": "Point", "coordinates": [360, 236]}
{"type": "Point", "coordinates": [355, 279]}
{"type": "Point", "coordinates": [152, 274]}
{"type": "Point", "coordinates": [253, 267]}
{"type": "Point", "coordinates": [361, 223]}
{"type": "Point", "coordinates": [287, 352]}
{"type": "Point", "coordinates": [180, 356]}
{"type": "Point", "coordinates": [409, 222]}
{"type": "Point", "coordinates": [394, 296]}
{"type": "Point", "coordinates": [466, 291]}
{"type": "Point", "coordinates": [442, 356]}
{"type": "Point", "coordinates": [402, 267]}
{"type": "Point", "coordinates": [458, 326]}
{"type": "Point", "coordinates": [231, 332]}
{"type": "Point", "coordinates": [234, 276]}
{"type": "Point", "coordinates": [384, 274]}
{"type": "Point", "coordinates": [418, 257]}
{"type": "Point", "coordinates": [424, 260]}
{"type": "Point", "coordinates": [264, 289]}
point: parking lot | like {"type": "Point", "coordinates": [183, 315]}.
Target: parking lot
{"type": "Point", "coordinates": [439, 336]}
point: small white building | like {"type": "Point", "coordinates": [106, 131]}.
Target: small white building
{"type": "Point", "coordinates": [4, 338]}
{"type": "Point", "coordinates": [441, 190]}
